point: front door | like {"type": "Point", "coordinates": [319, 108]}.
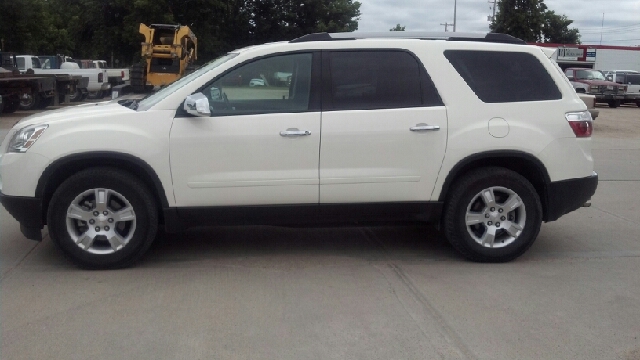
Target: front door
{"type": "Point", "coordinates": [261, 144]}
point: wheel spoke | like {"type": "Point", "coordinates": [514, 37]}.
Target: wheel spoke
{"type": "Point", "coordinates": [512, 203]}
{"type": "Point", "coordinates": [488, 197]}
{"type": "Point", "coordinates": [474, 218]}
{"type": "Point", "coordinates": [489, 236]}
{"type": "Point", "coordinates": [116, 241]}
{"type": "Point", "coordinates": [102, 197]}
{"type": "Point", "coordinates": [125, 214]}
{"type": "Point", "coordinates": [76, 212]}
{"type": "Point", "coordinates": [85, 241]}
{"type": "Point", "coordinates": [514, 229]}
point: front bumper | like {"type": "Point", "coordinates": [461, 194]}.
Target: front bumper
{"type": "Point", "coordinates": [27, 211]}
{"type": "Point", "coordinates": [566, 196]}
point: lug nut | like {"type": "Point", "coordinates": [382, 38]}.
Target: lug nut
{"type": "Point", "coordinates": [106, 228]}
{"type": "Point", "coordinates": [92, 221]}
{"type": "Point", "coordinates": [106, 213]}
{"type": "Point", "coordinates": [97, 228]}
{"type": "Point", "coordinates": [498, 224]}
{"type": "Point", "coordinates": [500, 210]}
{"type": "Point", "coordinates": [493, 209]}
{"type": "Point", "coordinates": [489, 223]}
{"type": "Point", "coordinates": [503, 218]}
{"type": "Point", "coordinates": [110, 220]}
{"type": "Point", "coordinates": [486, 215]}
{"type": "Point", "coordinates": [95, 213]}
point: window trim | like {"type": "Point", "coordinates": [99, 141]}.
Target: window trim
{"type": "Point", "coordinates": [425, 80]}
{"type": "Point", "coordinates": [315, 101]}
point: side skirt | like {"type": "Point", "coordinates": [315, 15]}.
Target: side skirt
{"type": "Point", "coordinates": [179, 219]}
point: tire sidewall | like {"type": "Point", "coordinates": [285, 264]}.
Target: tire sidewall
{"type": "Point", "coordinates": [135, 193]}
{"type": "Point", "coordinates": [533, 209]}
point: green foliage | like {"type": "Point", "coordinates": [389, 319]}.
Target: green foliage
{"type": "Point", "coordinates": [98, 29]}
{"type": "Point", "coordinates": [556, 29]}
{"type": "Point", "coordinates": [397, 28]}
{"type": "Point", "coordinates": [520, 18]}
{"type": "Point", "coordinates": [532, 21]}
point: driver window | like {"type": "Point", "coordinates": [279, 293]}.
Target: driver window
{"type": "Point", "coordinates": [274, 84]}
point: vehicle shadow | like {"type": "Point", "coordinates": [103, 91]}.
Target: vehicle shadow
{"type": "Point", "coordinates": [395, 242]}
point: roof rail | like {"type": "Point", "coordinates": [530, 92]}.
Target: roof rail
{"type": "Point", "coordinates": [448, 36]}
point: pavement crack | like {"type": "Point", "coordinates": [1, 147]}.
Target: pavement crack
{"type": "Point", "coordinates": [16, 265]}
{"type": "Point", "coordinates": [615, 215]}
{"type": "Point", "coordinates": [456, 346]}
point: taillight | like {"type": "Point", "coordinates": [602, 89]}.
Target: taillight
{"type": "Point", "coordinates": [581, 123]}
{"type": "Point", "coordinates": [122, 74]}
{"type": "Point", "coordinates": [100, 77]}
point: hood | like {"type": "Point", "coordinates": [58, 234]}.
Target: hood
{"type": "Point", "coordinates": [89, 112]}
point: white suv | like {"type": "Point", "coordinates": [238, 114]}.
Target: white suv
{"type": "Point", "coordinates": [482, 135]}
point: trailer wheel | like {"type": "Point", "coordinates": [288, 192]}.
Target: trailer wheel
{"type": "Point", "coordinates": [11, 104]}
{"type": "Point", "coordinates": [30, 101]}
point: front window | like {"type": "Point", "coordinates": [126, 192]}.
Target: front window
{"type": "Point", "coordinates": [589, 75]}
{"type": "Point", "coordinates": [161, 94]}
{"type": "Point", "coordinates": [275, 84]}
{"type": "Point", "coordinates": [35, 63]}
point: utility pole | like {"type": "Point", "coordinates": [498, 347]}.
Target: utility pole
{"type": "Point", "coordinates": [446, 26]}
{"type": "Point", "coordinates": [455, 8]}
{"type": "Point", "coordinates": [493, 7]}
{"type": "Point", "coordinates": [601, 28]}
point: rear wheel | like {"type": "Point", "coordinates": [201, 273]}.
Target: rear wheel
{"type": "Point", "coordinates": [102, 218]}
{"type": "Point", "coordinates": [492, 215]}
{"type": "Point", "coordinates": [11, 104]}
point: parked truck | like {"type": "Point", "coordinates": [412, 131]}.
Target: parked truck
{"type": "Point", "coordinates": [593, 82]}
{"type": "Point", "coordinates": [116, 76]}
{"type": "Point", "coordinates": [98, 78]}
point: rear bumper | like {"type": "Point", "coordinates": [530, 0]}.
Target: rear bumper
{"type": "Point", "coordinates": [566, 196]}
{"type": "Point", "coordinates": [27, 211]}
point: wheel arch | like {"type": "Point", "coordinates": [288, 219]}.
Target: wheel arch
{"type": "Point", "coordinates": [59, 170]}
{"type": "Point", "coordinates": [521, 162]}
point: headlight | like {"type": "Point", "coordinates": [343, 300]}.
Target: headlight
{"type": "Point", "coordinates": [25, 137]}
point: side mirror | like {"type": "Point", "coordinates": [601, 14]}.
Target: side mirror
{"type": "Point", "coordinates": [197, 104]}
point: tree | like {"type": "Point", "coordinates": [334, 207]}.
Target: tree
{"type": "Point", "coordinates": [523, 19]}
{"type": "Point", "coordinates": [397, 28]}
{"type": "Point", "coordinates": [556, 29]}
{"type": "Point", "coordinates": [532, 21]}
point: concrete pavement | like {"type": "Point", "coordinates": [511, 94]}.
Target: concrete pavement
{"type": "Point", "coordinates": [388, 292]}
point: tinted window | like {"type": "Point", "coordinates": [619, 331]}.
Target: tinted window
{"type": "Point", "coordinates": [274, 84]}
{"type": "Point", "coordinates": [21, 63]}
{"type": "Point", "coordinates": [633, 79]}
{"type": "Point", "coordinates": [499, 77]}
{"type": "Point", "coordinates": [378, 80]}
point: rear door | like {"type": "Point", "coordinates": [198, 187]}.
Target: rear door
{"type": "Point", "coordinates": [384, 128]}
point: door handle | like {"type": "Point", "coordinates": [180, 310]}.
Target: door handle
{"type": "Point", "coordinates": [425, 127]}
{"type": "Point", "coordinates": [294, 132]}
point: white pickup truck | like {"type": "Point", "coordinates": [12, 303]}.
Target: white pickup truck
{"type": "Point", "coordinates": [98, 78]}
{"type": "Point", "coordinates": [116, 76]}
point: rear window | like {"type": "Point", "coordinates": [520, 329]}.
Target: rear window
{"type": "Point", "coordinates": [501, 77]}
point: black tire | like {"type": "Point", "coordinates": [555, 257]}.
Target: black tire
{"type": "Point", "coordinates": [45, 102]}
{"type": "Point", "coordinates": [614, 103]}
{"type": "Point", "coordinates": [138, 78]}
{"type": "Point", "coordinates": [124, 184]}
{"type": "Point", "coordinates": [31, 102]}
{"type": "Point", "coordinates": [95, 95]}
{"type": "Point", "coordinates": [75, 97]}
{"type": "Point", "coordinates": [465, 190]}
{"type": "Point", "coordinates": [11, 104]}
{"type": "Point", "coordinates": [638, 103]}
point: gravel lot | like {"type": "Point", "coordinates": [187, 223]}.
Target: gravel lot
{"type": "Point", "coordinates": [388, 292]}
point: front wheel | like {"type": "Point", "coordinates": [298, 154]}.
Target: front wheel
{"type": "Point", "coordinates": [102, 218]}
{"type": "Point", "coordinates": [493, 215]}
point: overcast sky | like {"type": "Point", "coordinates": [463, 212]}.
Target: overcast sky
{"type": "Point", "coordinates": [621, 17]}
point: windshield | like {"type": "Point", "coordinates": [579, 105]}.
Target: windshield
{"type": "Point", "coordinates": [156, 97]}
{"type": "Point", "coordinates": [589, 75]}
